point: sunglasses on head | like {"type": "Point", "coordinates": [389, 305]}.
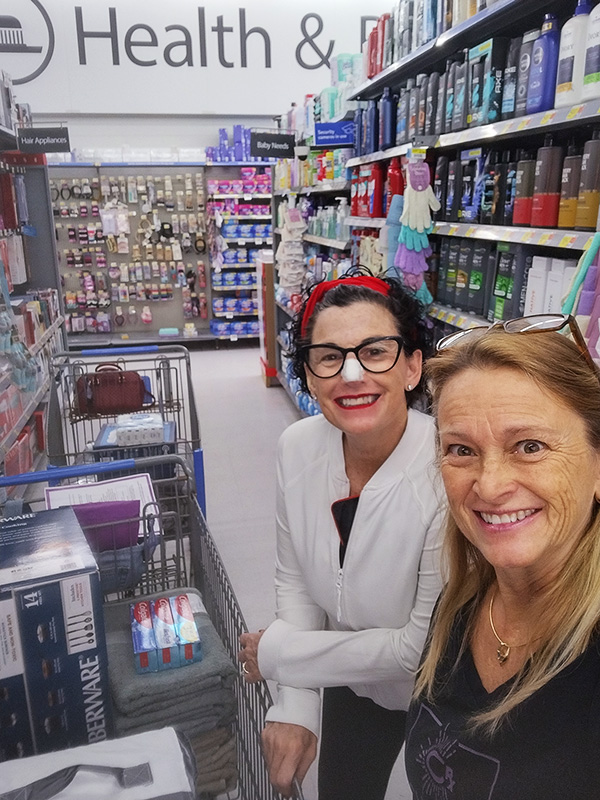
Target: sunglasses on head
{"type": "Point", "coordinates": [536, 323]}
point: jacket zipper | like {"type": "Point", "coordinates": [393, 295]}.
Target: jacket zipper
{"type": "Point", "coordinates": [338, 584]}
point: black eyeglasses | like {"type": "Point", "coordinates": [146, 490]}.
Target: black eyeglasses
{"type": "Point", "coordinates": [379, 354]}
{"type": "Point", "coordinates": [536, 323]}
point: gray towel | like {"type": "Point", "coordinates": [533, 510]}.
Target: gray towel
{"type": "Point", "coordinates": [158, 693]}
{"type": "Point", "coordinates": [191, 724]}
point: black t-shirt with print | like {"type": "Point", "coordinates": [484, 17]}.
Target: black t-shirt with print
{"type": "Point", "coordinates": [548, 748]}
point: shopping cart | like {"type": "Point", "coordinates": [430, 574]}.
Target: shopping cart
{"type": "Point", "coordinates": [77, 435]}
{"type": "Point", "coordinates": [187, 556]}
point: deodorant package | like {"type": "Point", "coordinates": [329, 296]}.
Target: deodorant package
{"type": "Point", "coordinates": [443, 269]}
{"type": "Point", "coordinates": [463, 274]}
{"type": "Point", "coordinates": [480, 277]}
{"type": "Point", "coordinates": [472, 174]}
{"type": "Point", "coordinates": [486, 67]}
{"type": "Point", "coordinates": [513, 263]}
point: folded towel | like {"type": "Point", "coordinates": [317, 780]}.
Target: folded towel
{"type": "Point", "coordinates": [214, 717]}
{"type": "Point", "coordinates": [218, 702]}
{"type": "Point", "coordinates": [135, 694]}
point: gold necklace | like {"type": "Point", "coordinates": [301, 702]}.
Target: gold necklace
{"type": "Point", "coordinates": [503, 651]}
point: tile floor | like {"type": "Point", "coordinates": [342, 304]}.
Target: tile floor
{"type": "Point", "coordinates": [240, 423]}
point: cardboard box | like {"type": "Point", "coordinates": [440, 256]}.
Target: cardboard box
{"type": "Point", "coordinates": [190, 647]}
{"type": "Point", "coordinates": [167, 644]}
{"type": "Point", "coordinates": [486, 67]}
{"type": "Point", "coordinates": [53, 662]}
{"type": "Point", "coordinates": [143, 638]}
{"type": "Point", "coordinates": [106, 449]}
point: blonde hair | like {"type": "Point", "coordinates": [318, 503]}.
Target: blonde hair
{"type": "Point", "coordinates": [557, 366]}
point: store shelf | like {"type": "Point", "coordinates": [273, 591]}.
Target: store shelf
{"type": "Point", "coordinates": [46, 336]}
{"type": "Point", "coordinates": [287, 310]}
{"type": "Point", "coordinates": [541, 237]}
{"type": "Point", "coordinates": [285, 385]}
{"type": "Point", "coordinates": [234, 314]}
{"type": "Point", "coordinates": [227, 216]}
{"type": "Point", "coordinates": [34, 401]}
{"type": "Point", "coordinates": [229, 196]}
{"type": "Point", "coordinates": [509, 18]}
{"type": "Point", "coordinates": [233, 337]}
{"type": "Point", "coordinates": [453, 316]}
{"type": "Point", "coordinates": [249, 265]}
{"type": "Point", "coordinates": [326, 187]}
{"type": "Point", "coordinates": [379, 155]}
{"type": "Point", "coordinates": [250, 288]}
{"type": "Point", "coordinates": [282, 344]}
{"type": "Point", "coordinates": [366, 222]}
{"type": "Point", "coordinates": [243, 241]}
{"type": "Point", "coordinates": [336, 244]}
{"type": "Point", "coordinates": [265, 163]}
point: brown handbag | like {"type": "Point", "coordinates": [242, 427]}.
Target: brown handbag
{"type": "Point", "coordinates": [111, 390]}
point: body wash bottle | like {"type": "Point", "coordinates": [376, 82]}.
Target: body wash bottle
{"type": "Point", "coordinates": [591, 69]}
{"type": "Point", "coordinates": [571, 57]}
{"type": "Point", "coordinates": [544, 63]}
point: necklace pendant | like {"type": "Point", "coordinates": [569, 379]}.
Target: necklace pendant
{"type": "Point", "coordinates": [503, 652]}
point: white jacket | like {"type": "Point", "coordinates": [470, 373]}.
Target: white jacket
{"type": "Point", "coordinates": [362, 626]}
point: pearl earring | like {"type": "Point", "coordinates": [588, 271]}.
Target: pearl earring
{"type": "Point", "coordinates": [409, 387]}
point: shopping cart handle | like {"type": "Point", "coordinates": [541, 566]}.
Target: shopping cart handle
{"type": "Point", "coordinates": [111, 351]}
{"type": "Point", "coordinates": [60, 473]}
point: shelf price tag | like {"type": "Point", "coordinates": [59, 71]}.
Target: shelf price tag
{"type": "Point", "coordinates": [527, 236]}
{"type": "Point", "coordinates": [433, 311]}
{"type": "Point", "coordinates": [470, 231]}
{"type": "Point", "coordinates": [258, 241]}
{"type": "Point", "coordinates": [247, 197]}
{"type": "Point", "coordinates": [575, 112]}
{"type": "Point", "coordinates": [450, 318]}
{"type": "Point", "coordinates": [461, 322]}
{"type": "Point", "coordinates": [567, 241]}
{"type": "Point", "coordinates": [229, 315]}
{"type": "Point", "coordinates": [507, 128]}
{"type": "Point", "coordinates": [441, 314]}
{"type": "Point", "coordinates": [241, 241]}
{"type": "Point", "coordinates": [547, 118]}
{"type": "Point", "coordinates": [587, 245]}
{"type": "Point", "coordinates": [233, 338]}
{"type": "Point", "coordinates": [545, 238]}
{"type": "Point", "coordinates": [452, 230]}
{"type": "Point", "coordinates": [525, 123]}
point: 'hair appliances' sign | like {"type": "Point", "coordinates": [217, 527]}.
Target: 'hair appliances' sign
{"type": "Point", "coordinates": [120, 56]}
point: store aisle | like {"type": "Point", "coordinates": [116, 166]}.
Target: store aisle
{"type": "Point", "coordinates": [240, 423]}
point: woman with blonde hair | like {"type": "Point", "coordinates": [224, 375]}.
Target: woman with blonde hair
{"type": "Point", "coordinates": [507, 701]}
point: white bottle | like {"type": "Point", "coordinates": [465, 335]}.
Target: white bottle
{"type": "Point", "coordinates": [571, 57]}
{"type": "Point", "coordinates": [591, 69]}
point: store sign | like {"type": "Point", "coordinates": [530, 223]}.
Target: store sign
{"type": "Point", "coordinates": [220, 57]}
{"type": "Point", "coordinates": [272, 145]}
{"type": "Point", "coordinates": [334, 134]}
{"type": "Point", "coordinates": [43, 140]}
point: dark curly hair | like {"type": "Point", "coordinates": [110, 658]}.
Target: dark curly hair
{"type": "Point", "coordinates": [402, 304]}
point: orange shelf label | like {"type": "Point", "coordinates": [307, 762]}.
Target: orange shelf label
{"type": "Point", "coordinates": [567, 241]}
{"type": "Point", "coordinates": [452, 230]}
{"type": "Point", "coordinates": [460, 322]}
{"type": "Point", "coordinates": [470, 231]}
{"type": "Point", "coordinates": [441, 314]}
{"type": "Point", "coordinates": [545, 238]}
{"type": "Point", "coordinates": [527, 236]}
{"type": "Point", "coordinates": [525, 123]}
{"type": "Point", "coordinates": [547, 118]}
{"type": "Point", "coordinates": [575, 112]}
{"type": "Point", "coordinates": [450, 319]}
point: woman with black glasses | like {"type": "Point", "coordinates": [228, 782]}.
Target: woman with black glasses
{"type": "Point", "coordinates": [359, 513]}
{"type": "Point", "coordinates": [507, 701]}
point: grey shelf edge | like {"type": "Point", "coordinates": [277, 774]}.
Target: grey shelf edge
{"type": "Point", "coordinates": [539, 237]}
{"type": "Point", "coordinates": [286, 310]}
{"type": "Point", "coordinates": [494, 21]}
{"type": "Point", "coordinates": [36, 398]}
{"type": "Point", "coordinates": [454, 316]}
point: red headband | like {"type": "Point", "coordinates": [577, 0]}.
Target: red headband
{"type": "Point", "coordinates": [368, 281]}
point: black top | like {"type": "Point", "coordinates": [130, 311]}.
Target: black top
{"type": "Point", "coordinates": [547, 749]}
{"type": "Point", "coordinates": [344, 512]}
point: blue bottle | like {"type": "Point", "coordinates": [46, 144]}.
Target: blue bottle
{"type": "Point", "coordinates": [372, 128]}
{"type": "Point", "coordinates": [358, 132]}
{"type": "Point", "coordinates": [387, 120]}
{"type": "Point", "coordinates": [544, 63]}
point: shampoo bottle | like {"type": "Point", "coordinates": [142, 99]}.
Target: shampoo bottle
{"type": "Point", "coordinates": [487, 196]}
{"type": "Point", "coordinates": [525, 52]}
{"type": "Point", "coordinates": [510, 193]}
{"type": "Point", "coordinates": [454, 191]}
{"type": "Point", "coordinates": [569, 188]}
{"type": "Point", "coordinates": [499, 194]}
{"type": "Point", "coordinates": [401, 117]}
{"type": "Point", "coordinates": [525, 180]}
{"type": "Point", "coordinates": [358, 131]}
{"type": "Point", "coordinates": [511, 71]}
{"type": "Point", "coordinates": [440, 184]}
{"type": "Point", "coordinates": [413, 109]}
{"type": "Point", "coordinates": [591, 68]}
{"type": "Point", "coordinates": [461, 93]}
{"type": "Point", "coordinates": [546, 190]}
{"type": "Point", "coordinates": [571, 57]}
{"type": "Point", "coordinates": [372, 137]}
{"type": "Point", "coordinates": [440, 113]}
{"type": "Point", "coordinates": [589, 186]}
{"type": "Point", "coordinates": [542, 75]}
{"type": "Point", "coordinates": [387, 120]}
{"type": "Point", "coordinates": [450, 78]}
{"type": "Point", "coordinates": [431, 103]}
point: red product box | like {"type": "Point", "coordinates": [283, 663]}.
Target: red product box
{"type": "Point", "coordinates": [167, 643]}
{"type": "Point", "coordinates": [190, 647]}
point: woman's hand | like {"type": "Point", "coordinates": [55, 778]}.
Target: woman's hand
{"type": "Point", "coordinates": [289, 751]}
{"type": "Point", "coordinates": [248, 656]}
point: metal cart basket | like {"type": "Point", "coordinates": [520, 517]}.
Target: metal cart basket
{"type": "Point", "coordinates": [186, 556]}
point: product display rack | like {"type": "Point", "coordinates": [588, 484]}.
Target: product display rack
{"type": "Point", "coordinates": [498, 20]}
{"type": "Point", "coordinates": [150, 292]}
{"type": "Point", "coordinates": [36, 320]}
{"type": "Point", "coordinates": [526, 131]}
{"type": "Point", "coordinates": [234, 282]}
